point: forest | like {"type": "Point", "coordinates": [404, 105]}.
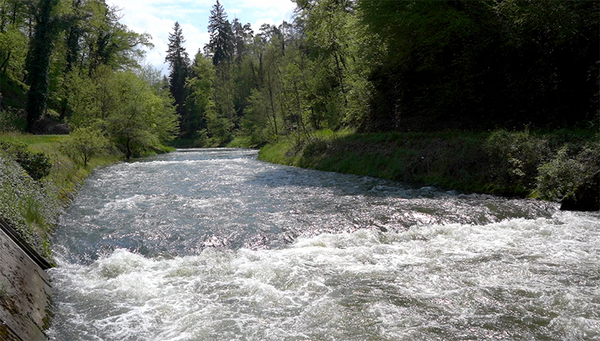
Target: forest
{"type": "Point", "coordinates": [368, 66]}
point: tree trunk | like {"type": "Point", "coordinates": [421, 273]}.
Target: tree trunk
{"type": "Point", "coordinates": [128, 148]}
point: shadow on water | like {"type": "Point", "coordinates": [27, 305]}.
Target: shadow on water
{"type": "Point", "coordinates": [340, 184]}
{"type": "Point", "coordinates": [212, 245]}
{"type": "Point", "coordinates": [449, 206]}
{"type": "Point", "coordinates": [182, 203]}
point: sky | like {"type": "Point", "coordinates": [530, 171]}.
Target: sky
{"type": "Point", "coordinates": [157, 18]}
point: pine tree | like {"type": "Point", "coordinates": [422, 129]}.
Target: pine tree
{"type": "Point", "coordinates": [179, 62]}
{"type": "Point", "coordinates": [221, 44]}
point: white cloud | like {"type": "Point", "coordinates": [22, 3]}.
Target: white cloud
{"type": "Point", "coordinates": [157, 17]}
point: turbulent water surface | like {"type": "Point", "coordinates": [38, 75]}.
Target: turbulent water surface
{"type": "Point", "coordinates": [215, 245]}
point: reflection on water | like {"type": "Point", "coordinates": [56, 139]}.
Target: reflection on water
{"type": "Point", "coordinates": [213, 244]}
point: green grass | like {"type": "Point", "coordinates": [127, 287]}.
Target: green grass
{"type": "Point", "coordinates": [244, 142]}
{"type": "Point", "coordinates": [39, 212]}
{"type": "Point", "coordinates": [36, 143]}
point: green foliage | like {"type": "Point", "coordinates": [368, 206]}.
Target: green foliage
{"type": "Point", "coordinates": [567, 170]}
{"type": "Point", "coordinates": [259, 123]}
{"type": "Point", "coordinates": [179, 69]}
{"type": "Point", "coordinates": [13, 47]}
{"type": "Point", "coordinates": [514, 159]}
{"type": "Point", "coordinates": [12, 119]}
{"type": "Point", "coordinates": [199, 102]}
{"type": "Point", "coordinates": [42, 42]}
{"type": "Point", "coordinates": [217, 132]}
{"type": "Point", "coordinates": [85, 143]}
{"type": "Point", "coordinates": [37, 165]}
{"type": "Point", "coordinates": [26, 204]}
{"type": "Point", "coordinates": [221, 44]}
{"type": "Point", "coordinates": [89, 99]}
{"type": "Point", "coordinates": [373, 65]}
{"type": "Point", "coordinates": [141, 120]}
{"type": "Point", "coordinates": [38, 60]}
{"type": "Point", "coordinates": [481, 64]}
{"type": "Point", "coordinates": [134, 115]}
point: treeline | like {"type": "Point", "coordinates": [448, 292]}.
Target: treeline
{"type": "Point", "coordinates": [402, 65]}
{"type": "Point", "coordinates": [391, 65]}
{"type": "Point", "coordinates": [71, 65]}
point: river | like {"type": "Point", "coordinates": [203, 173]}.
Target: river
{"type": "Point", "coordinates": [212, 244]}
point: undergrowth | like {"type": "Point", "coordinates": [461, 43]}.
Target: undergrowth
{"type": "Point", "coordinates": [37, 180]}
{"type": "Point", "coordinates": [542, 164]}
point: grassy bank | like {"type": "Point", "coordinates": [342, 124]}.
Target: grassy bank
{"type": "Point", "coordinates": [33, 205]}
{"type": "Point", "coordinates": [542, 164]}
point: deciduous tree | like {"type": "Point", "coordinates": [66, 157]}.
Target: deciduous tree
{"type": "Point", "coordinates": [38, 60]}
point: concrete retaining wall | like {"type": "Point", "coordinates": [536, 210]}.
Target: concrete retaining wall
{"type": "Point", "coordinates": [25, 290]}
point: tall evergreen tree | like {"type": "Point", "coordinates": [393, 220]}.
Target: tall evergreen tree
{"type": "Point", "coordinates": [221, 45]}
{"type": "Point", "coordinates": [243, 37]}
{"type": "Point", "coordinates": [179, 62]}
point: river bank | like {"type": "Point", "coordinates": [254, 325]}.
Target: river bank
{"type": "Point", "coordinates": [547, 165]}
{"type": "Point", "coordinates": [39, 176]}
{"type": "Point", "coordinates": [213, 244]}
{"type": "Point", "coordinates": [37, 181]}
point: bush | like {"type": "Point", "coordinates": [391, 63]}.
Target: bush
{"type": "Point", "coordinates": [85, 143]}
{"type": "Point", "coordinates": [12, 120]}
{"type": "Point", "coordinates": [37, 165]}
{"type": "Point", "coordinates": [560, 176]}
{"type": "Point", "coordinates": [515, 158]}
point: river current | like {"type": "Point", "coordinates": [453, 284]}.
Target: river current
{"type": "Point", "coordinates": [212, 244]}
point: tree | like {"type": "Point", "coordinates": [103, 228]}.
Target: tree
{"type": "Point", "coordinates": [200, 94]}
{"type": "Point", "coordinates": [13, 49]}
{"type": "Point", "coordinates": [141, 120]}
{"type": "Point", "coordinates": [38, 60]}
{"type": "Point", "coordinates": [129, 110]}
{"type": "Point", "coordinates": [482, 64]}
{"type": "Point", "coordinates": [179, 61]}
{"type": "Point", "coordinates": [221, 44]}
{"type": "Point", "coordinates": [74, 32]}
{"type": "Point", "coordinates": [84, 143]}
{"type": "Point", "coordinates": [221, 49]}
{"type": "Point", "coordinates": [327, 26]}
{"type": "Point", "coordinates": [15, 14]}
{"type": "Point", "coordinates": [111, 43]}
{"type": "Point", "coordinates": [242, 37]}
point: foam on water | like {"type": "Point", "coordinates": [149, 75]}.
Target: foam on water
{"type": "Point", "coordinates": [516, 279]}
{"type": "Point", "coordinates": [215, 245]}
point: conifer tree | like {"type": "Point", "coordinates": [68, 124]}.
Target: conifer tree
{"type": "Point", "coordinates": [221, 44]}
{"type": "Point", "coordinates": [179, 62]}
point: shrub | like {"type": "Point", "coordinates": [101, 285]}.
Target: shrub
{"type": "Point", "coordinates": [12, 120]}
{"type": "Point", "coordinates": [85, 143]}
{"type": "Point", "coordinates": [37, 165]}
{"type": "Point", "coordinates": [515, 158]}
{"type": "Point", "coordinates": [567, 170]}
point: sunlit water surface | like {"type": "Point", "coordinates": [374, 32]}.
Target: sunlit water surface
{"type": "Point", "coordinates": [215, 245]}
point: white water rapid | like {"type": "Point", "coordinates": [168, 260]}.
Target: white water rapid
{"type": "Point", "coordinates": [215, 245]}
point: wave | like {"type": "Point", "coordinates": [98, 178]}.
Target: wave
{"type": "Point", "coordinates": [519, 278]}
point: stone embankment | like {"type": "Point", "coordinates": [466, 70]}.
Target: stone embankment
{"type": "Point", "coordinates": [25, 290]}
